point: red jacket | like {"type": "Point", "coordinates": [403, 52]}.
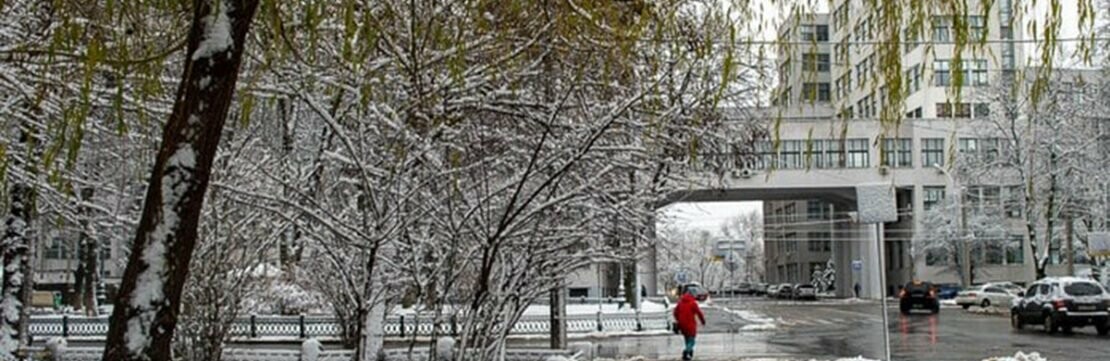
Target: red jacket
{"type": "Point", "coordinates": [685, 314]}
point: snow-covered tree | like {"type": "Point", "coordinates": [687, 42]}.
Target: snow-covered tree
{"type": "Point", "coordinates": [944, 238]}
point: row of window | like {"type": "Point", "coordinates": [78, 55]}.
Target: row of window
{"type": "Point", "coordinates": [855, 152]}
{"type": "Point", "coordinates": [818, 153]}
{"type": "Point", "coordinates": [963, 110]}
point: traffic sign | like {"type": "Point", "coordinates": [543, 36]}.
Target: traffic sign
{"type": "Point", "coordinates": [857, 265]}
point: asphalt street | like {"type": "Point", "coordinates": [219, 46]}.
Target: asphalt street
{"type": "Point", "coordinates": [831, 329]}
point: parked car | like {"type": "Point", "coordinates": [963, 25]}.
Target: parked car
{"type": "Point", "coordinates": [1061, 304]}
{"type": "Point", "coordinates": [805, 292]}
{"type": "Point", "coordinates": [985, 296]}
{"type": "Point", "coordinates": [759, 289]}
{"type": "Point", "coordinates": [948, 291]}
{"type": "Point", "coordinates": [786, 291]}
{"type": "Point", "coordinates": [744, 289]}
{"type": "Point", "coordinates": [772, 291]}
{"type": "Point", "coordinates": [917, 295]}
{"type": "Point", "coordinates": [694, 288]}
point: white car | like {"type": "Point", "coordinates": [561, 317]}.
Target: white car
{"type": "Point", "coordinates": [985, 296]}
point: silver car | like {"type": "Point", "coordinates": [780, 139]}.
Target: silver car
{"type": "Point", "coordinates": [986, 296]}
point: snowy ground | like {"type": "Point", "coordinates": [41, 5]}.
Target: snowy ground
{"type": "Point", "coordinates": [1020, 356]}
{"type": "Point", "coordinates": [576, 309]}
{"type": "Point", "coordinates": [756, 321]}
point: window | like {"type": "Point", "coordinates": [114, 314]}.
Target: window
{"type": "Point", "coordinates": [982, 110]}
{"type": "Point", "coordinates": [910, 39]}
{"type": "Point", "coordinates": [822, 32]}
{"type": "Point", "coordinates": [995, 253]}
{"type": "Point", "coordinates": [976, 28]}
{"type": "Point", "coordinates": [914, 114]}
{"type": "Point", "coordinates": [816, 92]}
{"type": "Point", "coordinates": [791, 154]}
{"type": "Point", "coordinates": [815, 62]}
{"type": "Point", "coordinates": [941, 28]}
{"type": "Point", "coordinates": [1012, 204]}
{"type": "Point", "coordinates": [816, 210]}
{"type": "Point", "coordinates": [989, 150]}
{"type": "Point", "coordinates": [766, 152]}
{"type": "Point", "coordinates": [858, 153]}
{"type": "Point", "coordinates": [933, 196]}
{"type": "Point", "coordinates": [834, 155]}
{"type": "Point", "coordinates": [932, 152]}
{"type": "Point", "coordinates": [963, 110]}
{"type": "Point", "coordinates": [944, 110]}
{"type": "Point", "coordinates": [969, 146]}
{"type": "Point", "coordinates": [57, 249]}
{"type": "Point", "coordinates": [913, 79]}
{"type": "Point", "coordinates": [942, 75]}
{"type": "Point", "coordinates": [978, 69]}
{"type": "Point", "coordinates": [898, 152]}
{"type": "Point", "coordinates": [1015, 250]}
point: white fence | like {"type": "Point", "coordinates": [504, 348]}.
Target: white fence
{"type": "Point", "coordinates": [94, 354]}
{"type": "Point", "coordinates": [303, 327]}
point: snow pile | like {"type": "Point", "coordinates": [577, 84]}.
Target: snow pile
{"type": "Point", "coordinates": [1020, 356]}
{"type": "Point", "coordinates": [311, 350]}
{"type": "Point", "coordinates": [558, 358]}
{"type": "Point", "coordinates": [56, 346]}
{"type": "Point", "coordinates": [445, 348]}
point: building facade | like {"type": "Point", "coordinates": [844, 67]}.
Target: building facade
{"type": "Point", "coordinates": [829, 99]}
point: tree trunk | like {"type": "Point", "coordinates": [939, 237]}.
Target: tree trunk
{"type": "Point", "coordinates": [15, 250]}
{"type": "Point", "coordinates": [88, 272]}
{"type": "Point", "coordinates": [143, 321]}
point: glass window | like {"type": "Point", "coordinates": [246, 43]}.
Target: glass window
{"type": "Point", "coordinates": [933, 196]}
{"type": "Point", "coordinates": [979, 75]}
{"type": "Point", "coordinates": [932, 152]}
{"type": "Point", "coordinates": [834, 153]}
{"type": "Point", "coordinates": [942, 73]}
{"type": "Point", "coordinates": [791, 154]}
{"type": "Point", "coordinates": [941, 27]}
{"type": "Point", "coordinates": [1083, 289]}
{"type": "Point", "coordinates": [816, 92]}
{"type": "Point", "coordinates": [944, 110]}
{"type": "Point", "coordinates": [976, 28]}
{"type": "Point", "coordinates": [766, 153]}
{"type": "Point", "coordinates": [982, 110]}
{"type": "Point", "coordinates": [858, 153]}
{"type": "Point", "coordinates": [815, 62]}
{"type": "Point", "coordinates": [969, 145]}
{"type": "Point", "coordinates": [963, 110]}
{"type": "Point", "coordinates": [57, 249]}
{"type": "Point", "coordinates": [898, 153]}
{"type": "Point", "coordinates": [815, 210]}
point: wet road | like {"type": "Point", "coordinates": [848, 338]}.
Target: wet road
{"type": "Point", "coordinates": [756, 328]}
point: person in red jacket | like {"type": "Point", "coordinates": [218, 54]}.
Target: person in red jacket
{"type": "Point", "coordinates": [687, 314]}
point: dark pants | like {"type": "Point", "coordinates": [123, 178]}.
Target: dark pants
{"type": "Point", "coordinates": [688, 353]}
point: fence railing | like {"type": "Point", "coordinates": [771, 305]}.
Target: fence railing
{"type": "Point", "coordinates": [236, 354]}
{"type": "Point", "coordinates": [258, 327]}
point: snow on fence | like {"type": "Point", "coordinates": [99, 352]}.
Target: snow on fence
{"type": "Point", "coordinates": [302, 327]}
{"type": "Point", "coordinates": [236, 354]}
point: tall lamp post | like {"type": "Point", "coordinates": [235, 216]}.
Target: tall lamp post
{"type": "Point", "coordinates": [955, 190]}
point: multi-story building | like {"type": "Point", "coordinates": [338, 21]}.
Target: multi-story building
{"type": "Point", "coordinates": [830, 96]}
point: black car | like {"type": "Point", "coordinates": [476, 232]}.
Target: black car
{"type": "Point", "coordinates": [918, 295]}
{"type": "Point", "coordinates": [1061, 304]}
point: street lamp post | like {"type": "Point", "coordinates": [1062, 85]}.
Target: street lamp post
{"type": "Point", "coordinates": [955, 190]}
